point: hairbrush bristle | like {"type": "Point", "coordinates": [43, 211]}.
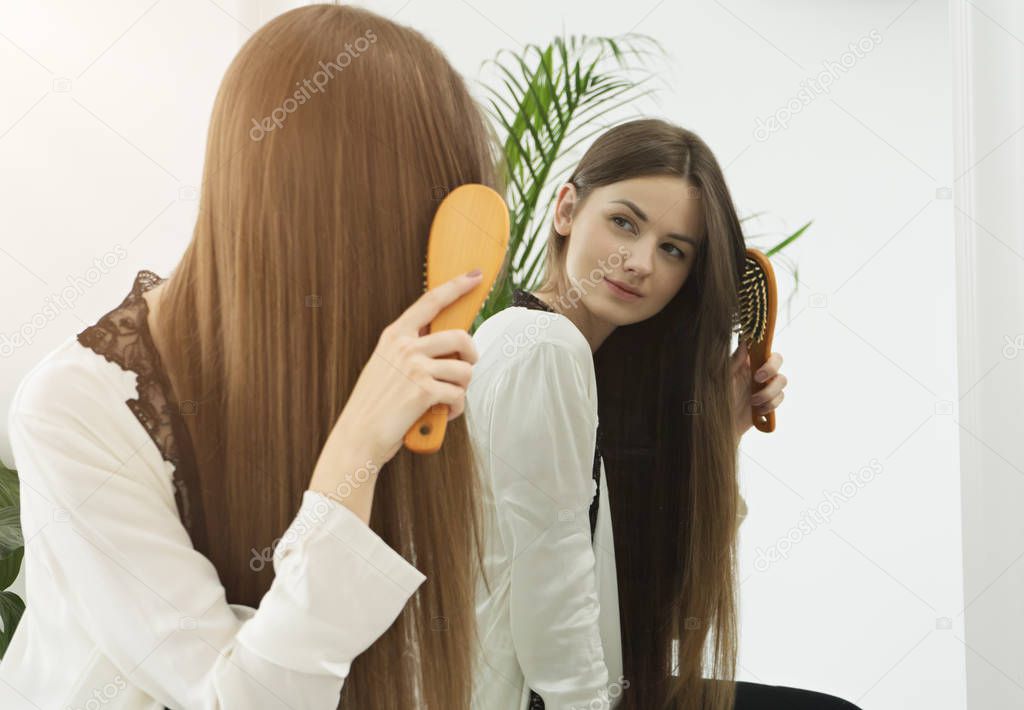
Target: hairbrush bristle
{"type": "Point", "coordinates": [490, 290]}
{"type": "Point", "coordinates": [752, 318]}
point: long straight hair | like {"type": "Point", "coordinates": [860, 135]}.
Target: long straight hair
{"type": "Point", "coordinates": [334, 135]}
{"type": "Point", "coordinates": [668, 442]}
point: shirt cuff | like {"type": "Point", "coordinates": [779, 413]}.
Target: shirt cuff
{"type": "Point", "coordinates": [337, 588]}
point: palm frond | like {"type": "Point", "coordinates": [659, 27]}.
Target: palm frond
{"type": "Point", "coordinates": [12, 550]}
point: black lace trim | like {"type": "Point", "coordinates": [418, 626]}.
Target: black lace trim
{"type": "Point", "coordinates": [526, 299]}
{"type": "Point", "coordinates": [122, 337]}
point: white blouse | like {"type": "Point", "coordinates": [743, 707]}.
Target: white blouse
{"type": "Point", "coordinates": [122, 611]}
{"type": "Point", "coordinates": [550, 621]}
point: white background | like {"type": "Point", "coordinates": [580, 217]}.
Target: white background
{"type": "Point", "coordinates": [103, 121]}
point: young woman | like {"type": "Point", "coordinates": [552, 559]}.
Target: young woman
{"type": "Point", "coordinates": [199, 468]}
{"type": "Point", "coordinates": [631, 328]}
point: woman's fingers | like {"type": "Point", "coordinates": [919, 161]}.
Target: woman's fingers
{"type": "Point", "coordinates": [408, 373]}
{"type": "Point", "coordinates": [445, 342]}
{"type": "Point", "coordinates": [450, 370]}
{"type": "Point", "coordinates": [770, 391]}
{"type": "Point", "coordinates": [425, 309]}
{"type": "Point", "coordinates": [769, 406]}
{"type": "Point", "coordinates": [456, 412]}
{"type": "Point", "coordinates": [770, 368]}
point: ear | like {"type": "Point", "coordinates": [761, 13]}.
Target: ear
{"type": "Point", "coordinates": [565, 204]}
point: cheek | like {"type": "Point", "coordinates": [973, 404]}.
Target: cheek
{"type": "Point", "coordinates": [607, 250]}
{"type": "Point", "coordinates": [591, 244]}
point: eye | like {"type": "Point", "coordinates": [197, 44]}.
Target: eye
{"type": "Point", "coordinates": [679, 252]}
{"type": "Point", "coordinates": [618, 217]}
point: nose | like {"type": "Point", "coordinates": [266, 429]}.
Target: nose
{"type": "Point", "coordinates": [640, 257]}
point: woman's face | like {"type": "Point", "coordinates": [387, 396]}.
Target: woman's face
{"type": "Point", "coordinates": [642, 233]}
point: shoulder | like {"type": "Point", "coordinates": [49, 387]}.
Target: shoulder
{"type": "Point", "coordinates": [537, 349]}
{"type": "Point", "coordinates": [513, 334]}
{"type": "Point", "coordinates": [70, 421]}
{"type": "Point", "coordinates": [69, 379]}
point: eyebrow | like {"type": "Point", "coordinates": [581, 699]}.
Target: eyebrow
{"type": "Point", "coordinates": [643, 218]}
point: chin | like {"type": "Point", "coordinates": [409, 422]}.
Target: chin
{"type": "Point", "coordinates": [618, 313]}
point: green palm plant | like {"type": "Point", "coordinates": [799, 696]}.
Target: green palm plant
{"type": "Point", "coordinates": [12, 549]}
{"type": "Point", "coordinates": [546, 102]}
{"type": "Point", "coordinates": [774, 253]}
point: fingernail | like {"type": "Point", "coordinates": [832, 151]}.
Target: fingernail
{"type": "Point", "coordinates": [474, 273]}
{"type": "Point", "coordinates": [761, 376]}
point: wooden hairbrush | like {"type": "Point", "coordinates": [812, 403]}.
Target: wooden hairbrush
{"type": "Point", "coordinates": [758, 303]}
{"type": "Point", "coordinates": [470, 230]}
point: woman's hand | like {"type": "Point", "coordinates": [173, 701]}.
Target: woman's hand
{"type": "Point", "coordinates": [406, 375]}
{"type": "Point", "coordinates": [765, 398]}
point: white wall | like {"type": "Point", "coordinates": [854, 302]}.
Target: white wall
{"type": "Point", "coordinates": [989, 115]}
{"type": "Point", "coordinates": [867, 603]}
{"type": "Point", "coordinates": [103, 122]}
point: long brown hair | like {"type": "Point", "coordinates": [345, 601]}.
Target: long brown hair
{"type": "Point", "coordinates": [665, 407]}
{"type": "Point", "coordinates": [334, 135]}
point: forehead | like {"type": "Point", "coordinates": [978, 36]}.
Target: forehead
{"type": "Point", "coordinates": [671, 203]}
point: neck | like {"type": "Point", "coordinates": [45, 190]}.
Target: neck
{"type": "Point", "coordinates": [595, 330]}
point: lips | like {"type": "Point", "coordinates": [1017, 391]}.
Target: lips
{"type": "Point", "coordinates": [624, 287]}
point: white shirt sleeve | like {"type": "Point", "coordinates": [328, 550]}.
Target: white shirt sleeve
{"type": "Point", "coordinates": [541, 447]}
{"type": "Point", "coordinates": [154, 606]}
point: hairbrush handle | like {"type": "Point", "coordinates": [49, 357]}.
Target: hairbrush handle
{"type": "Point", "coordinates": [765, 422]}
